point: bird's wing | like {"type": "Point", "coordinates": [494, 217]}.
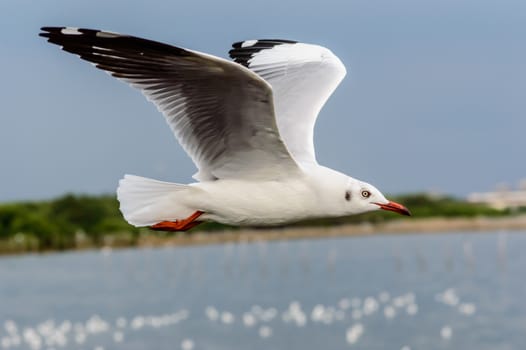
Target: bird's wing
{"type": "Point", "coordinates": [221, 113]}
{"type": "Point", "coordinates": [302, 77]}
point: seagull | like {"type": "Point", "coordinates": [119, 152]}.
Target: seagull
{"type": "Point", "coordinates": [247, 124]}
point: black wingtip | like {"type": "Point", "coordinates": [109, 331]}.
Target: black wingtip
{"type": "Point", "coordinates": [91, 45]}
{"type": "Point", "coordinates": [243, 51]}
{"type": "Point", "coordinates": [45, 32]}
{"type": "Point", "coordinates": [263, 42]}
{"type": "Point", "coordinates": [50, 30]}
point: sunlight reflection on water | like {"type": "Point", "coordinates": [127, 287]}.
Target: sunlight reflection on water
{"type": "Point", "coordinates": [446, 291]}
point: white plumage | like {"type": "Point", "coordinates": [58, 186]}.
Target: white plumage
{"type": "Point", "coordinates": [302, 77]}
{"type": "Point", "coordinates": [247, 125]}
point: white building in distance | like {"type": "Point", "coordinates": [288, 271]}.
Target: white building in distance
{"type": "Point", "coordinates": [503, 197]}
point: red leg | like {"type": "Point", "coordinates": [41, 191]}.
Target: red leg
{"type": "Point", "coordinates": [178, 225]}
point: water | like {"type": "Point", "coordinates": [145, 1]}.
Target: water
{"type": "Point", "coordinates": [450, 291]}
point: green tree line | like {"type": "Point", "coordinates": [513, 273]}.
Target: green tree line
{"type": "Point", "coordinates": [74, 221]}
{"type": "Point", "coordinates": [62, 223]}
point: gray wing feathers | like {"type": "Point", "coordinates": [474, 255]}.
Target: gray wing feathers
{"type": "Point", "coordinates": [302, 76]}
{"type": "Point", "coordinates": [221, 113]}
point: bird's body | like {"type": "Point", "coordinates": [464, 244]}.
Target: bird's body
{"type": "Point", "coordinates": [248, 126]}
{"type": "Point", "coordinates": [243, 203]}
{"type": "Point", "coordinates": [273, 202]}
{"type": "Point", "coordinates": [246, 202]}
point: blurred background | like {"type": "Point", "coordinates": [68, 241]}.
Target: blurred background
{"type": "Point", "coordinates": [432, 111]}
{"type": "Point", "coordinates": [434, 98]}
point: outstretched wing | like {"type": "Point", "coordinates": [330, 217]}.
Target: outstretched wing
{"type": "Point", "coordinates": [302, 77]}
{"type": "Point", "coordinates": [221, 113]}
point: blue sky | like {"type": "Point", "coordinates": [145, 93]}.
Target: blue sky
{"type": "Point", "coordinates": [434, 99]}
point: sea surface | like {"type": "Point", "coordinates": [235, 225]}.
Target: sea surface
{"type": "Point", "coordinates": [402, 292]}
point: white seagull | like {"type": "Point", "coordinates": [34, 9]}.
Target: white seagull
{"type": "Point", "coordinates": [247, 125]}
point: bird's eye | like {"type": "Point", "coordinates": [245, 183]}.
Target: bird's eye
{"type": "Point", "coordinates": [366, 194]}
{"type": "Point", "coordinates": [347, 195]}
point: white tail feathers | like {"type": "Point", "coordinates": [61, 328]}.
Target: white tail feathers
{"type": "Point", "coordinates": [145, 202]}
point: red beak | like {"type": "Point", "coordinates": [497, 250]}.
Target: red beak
{"type": "Point", "coordinates": [393, 206]}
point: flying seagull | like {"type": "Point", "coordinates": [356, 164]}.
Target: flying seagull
{"type": "Point", "coordinates": [247, 124]}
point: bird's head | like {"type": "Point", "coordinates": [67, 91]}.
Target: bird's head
{"type": "Point", "coordinates": [361, 197]}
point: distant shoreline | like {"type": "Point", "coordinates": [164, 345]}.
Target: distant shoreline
{"type": "Point", "coordinates": [247, 235]}
{"type": "Point", "coordinates": [427, 225]}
